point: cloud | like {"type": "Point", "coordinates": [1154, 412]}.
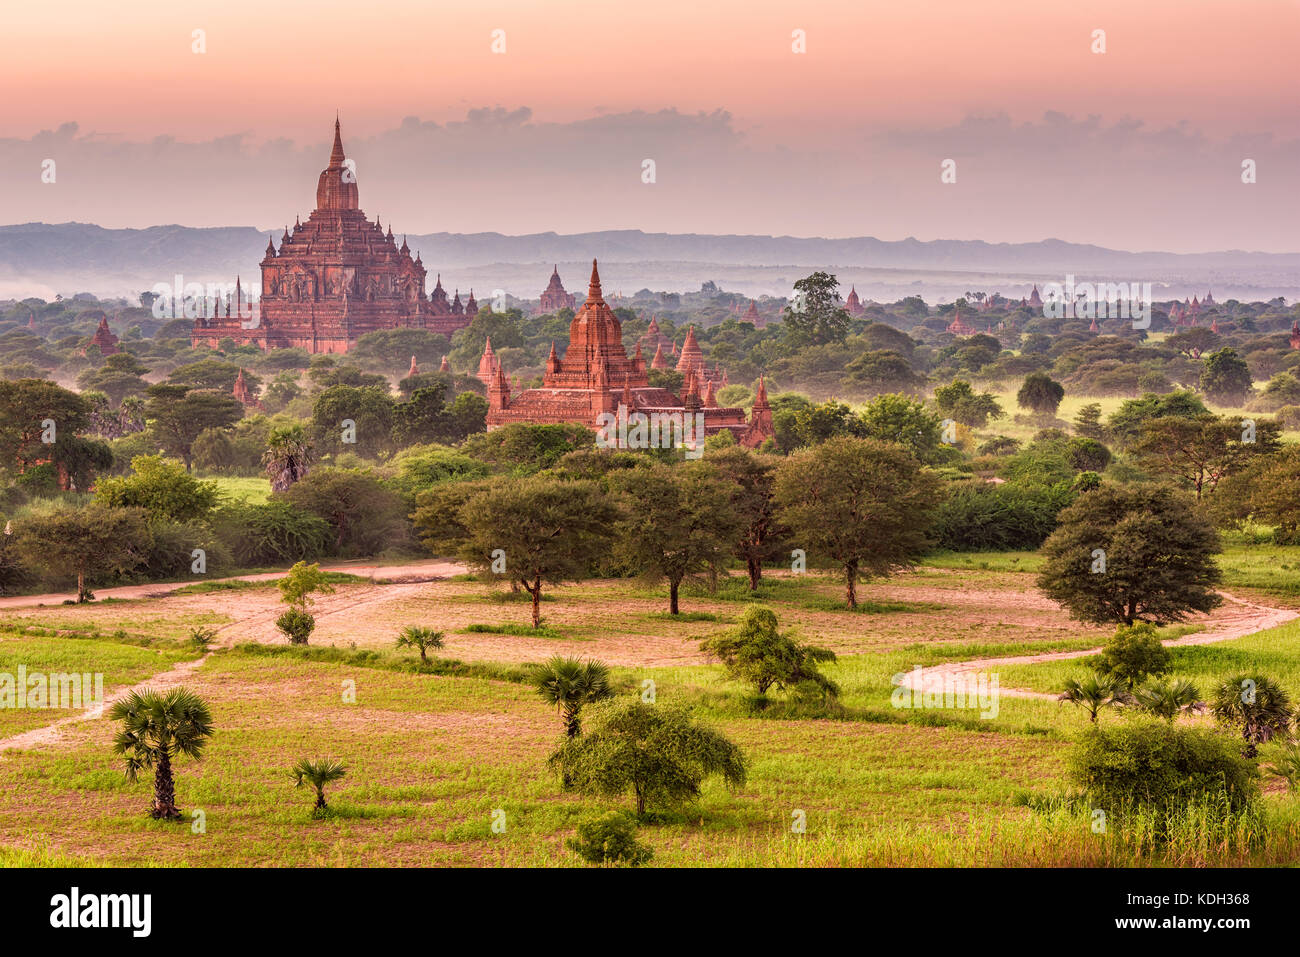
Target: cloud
{"type": "Point", "coordinates": [1119, 183]}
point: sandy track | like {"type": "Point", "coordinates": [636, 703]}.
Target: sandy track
{"type": "Point", "coordinates": [414, 572]}
{"type": "Point", "coordinates": [1244, 618]}
{"type": "Point", "coordinates": [411, 575]}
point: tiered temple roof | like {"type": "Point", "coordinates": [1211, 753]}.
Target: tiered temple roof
{"type": "Point", "coordinates": [554, 298]}
{"type": "Point", "coordinates": [596, 376]}
{"type": "Point", "coordinates": [334, 278]}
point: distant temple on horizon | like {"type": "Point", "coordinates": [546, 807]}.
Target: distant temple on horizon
{"type": "Point", "coordinates": [554, 298]}
{"type": "Point", "coordinates": [337, 277]}
{"type": "Point", "coordinates": [596, 377]}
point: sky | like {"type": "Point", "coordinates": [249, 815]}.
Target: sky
{"type": "Point", "coordinates": [547, 125]}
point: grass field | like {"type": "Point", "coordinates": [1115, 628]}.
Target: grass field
{"type": "Point", "coordinates": [433, 754]}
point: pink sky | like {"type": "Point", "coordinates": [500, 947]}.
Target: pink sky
{"type": "Point", "coordinates": [844, 140]}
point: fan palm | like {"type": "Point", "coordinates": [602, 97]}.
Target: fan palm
{"type": "Point", "coordinates": [1256, 705]}
{"type": "Point", "coordinates": [415, 636]}
{"type": "Point", "coordinates": [287, 457]}
{"type": "Point", "coordinates": [568, 684]}
{"type": "Point", "coordinates": [1288, 766]}
{"type": "Point", "coordinates": [1167, 699]}
{"type": "Point", "coordinates": [1094, 693]}
{"type": "Point", "coordinates": [317, 774]}
{"type": "Point", "coordinates": [156, 728]}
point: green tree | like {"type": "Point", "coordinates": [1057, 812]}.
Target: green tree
{"type": "Point", "coordinates": [897, 418]}
{"type": "Point", "coordinates": [653, 750]}
{"type": "Point", "coordinates": [178, 415]}
{"type": "Point", "coordinates": [28, 409]}
{"type": "Point", "coordinates": [1256, 706]}
{"type": "Point", "coordinates": [536, 531]}
{"type": "Point", "coordinates": [816, 316]}
{"type": "Point", "coordinates": [963, 404]}
{"type": "Point", "coordinates": [156, 729]}
{"type": "Point", "coordinates": [288, 456]}
{"type": "Point", "coordinates": [297, 588]}
{"type": "Point", "coordinates": [1125, 426]}
{"type": "Point", "coordinates": [752, 478]}
{"type": "Point", "coordinates": [366, 517]}
{"type": "Point", "coordinates": [1124, 554]}
{"type": "Point", "coordinates": [420, 638]}
{"type": "Point", "coordinates": [89, 542]}
{"type": "Point", "coordinates": [756, 653]}
{"type": "Point", "coordinates": [318, 774]}
{"type": "Point", "coordinates": [1198, 453]}
{"type": "Point", "coordinates": [163, 489]}
{"type": "Point", "coordinates": [1225, 377]}
{"type": "Point", "coordinates": [678, 521]}
{"type": "Point", "coordinates": [1040, 393]}
{"type": "Point", "coordinates": [1134, 654]}
{"type": "Point", "coordinates": [1087, 422]}
{"type": "Point", "coordinates": [864, 504]}
{"type": "Point", "coordinates": [568, 685]}
{"type": "Point", "coordinates": [347, 418]}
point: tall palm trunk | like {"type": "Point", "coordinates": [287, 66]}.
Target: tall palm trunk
{"type": "Point", "coordinates": [164, 789]}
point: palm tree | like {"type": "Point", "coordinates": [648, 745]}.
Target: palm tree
{"type": "Point", "coordinates": [318, 774]}
{"type": "Point", "coordinates": [156, 728]}
{"type": "Point", "coordinates": [415, 636]}
{"type": "Point", "coordinates": [1094, 693]}
{"type": "Point", "coordinates": [1255, 704]}
{"type": "Point", "coordinates": [568, 684]}
{"type": "Point", "coordinates": [1288, 766]}
{"type": "Point", "coordinates": [287, 457]}
{"type": "Point", "coordinates": [1168, 699]}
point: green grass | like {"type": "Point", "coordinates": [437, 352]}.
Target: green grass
{"type": "Point", "coordinates": [237, 584]}
{"type": "Point", "coordinates": [522, 631]}
{"type": "Point", "coordinates": [252, 490]}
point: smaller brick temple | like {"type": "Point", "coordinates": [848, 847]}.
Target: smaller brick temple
{"type": "Point", "coordinates": [104, 338]}
{"type": "Point", "coordinates": [596, 379]}
{"type": "Point", "coordinates": [554, 298]}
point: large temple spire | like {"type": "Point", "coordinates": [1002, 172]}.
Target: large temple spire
{"type": "Point", "coordinates": [336, 154]}
{"type": "Point", "coordinates": [593, 288]}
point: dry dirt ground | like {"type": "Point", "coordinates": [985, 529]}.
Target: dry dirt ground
{"type": "Point", "coordinates": [609, 620]}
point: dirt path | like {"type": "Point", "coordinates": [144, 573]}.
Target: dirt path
{"type": "Point", "coordinates": [1244, 619]}
{"type": "Point", "coordinates": [410, 577]}
{"type": "Point", "coordinates": [414, 572]}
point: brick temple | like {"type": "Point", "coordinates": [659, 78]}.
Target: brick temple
{"type": "Point", "coordinates": [554, 298]}
{"type": "Point", "coordinates": [596, 377]}
{"type": "Point", "coordinates": [334, 278]}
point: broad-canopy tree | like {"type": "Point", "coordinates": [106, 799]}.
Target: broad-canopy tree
{"type": "Point", "coordinates": [1198, 453]}
{"type": "Point", "coordinates": [653, 750]}
{"type": "Point", "coordinates": [1132, 553]}
{"type": "Point", "coordinates": [178, 414]}
{"type": "Point", "coordinates": [1226, 377]}
{"type": "Point", "coordinates": [816, 315]}
{"type": "Point", "coordinates": [1040, 393]}
{"type": "Point", "coordinates": [752, 478]}
{"type": "Point", "coordinates": [959, 402]}
{"type": "Point", "coordinates": [536, 531]}
{"type": "Point", "coordinates": [756, 652]}
{"type": "Point", "coordinates": [162, 488]}
{"type": "Point", "coordinates": [88, 542]}
{"type": "Point", "coordinates": [864, 504]}
{"type": "Point", "coordinates": [678, 521]}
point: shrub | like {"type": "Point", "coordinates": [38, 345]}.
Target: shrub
{"type": "Point", "coordinates": [982, 517]}
{"type": "Point", "coordinates": [1133, 655]}
{"type": "Point", "coordinates": [1150, 763]}
{"type": "Point", "coordinates": [756, 653]}
{"type": "Point", "coordinates": [610, 839]}
{"type": "Point", "coordinates": [297, 625]}
{"type": "Point", "coordinates": [272, 533]}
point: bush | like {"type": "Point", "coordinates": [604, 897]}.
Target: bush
{"type": "Point", "coordinates": [610, 839]}
{"type": "Point", "coordinates": [274, 532]}
{"type": "Point", "coordinates": [1152, 764]}
{"type": "Point", "coordinates": [1133, 655]}
{"type": "Point", "coordinates": [297, 625]}
{"type": "Point", "coordinates": [983, 517]}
